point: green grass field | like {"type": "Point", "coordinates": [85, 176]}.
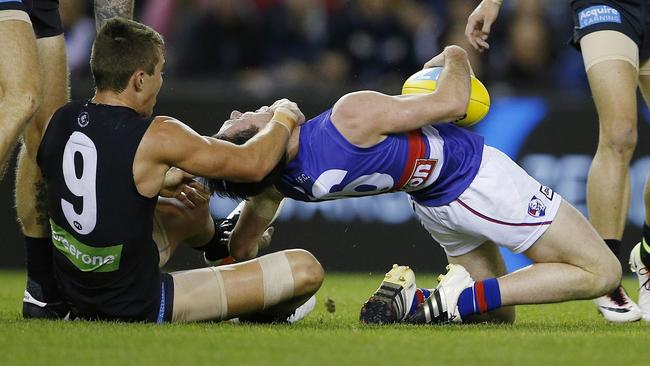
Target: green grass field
{"type": "Point", "coordinates": [564, 334]}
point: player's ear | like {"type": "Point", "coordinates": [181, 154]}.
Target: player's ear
{"type": "Point", "coordinates": [138, 80]}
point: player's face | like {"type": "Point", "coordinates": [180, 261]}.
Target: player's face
{"type": "Point", "coordinates": [152, 85]}
{"type": "Point", "coordinates": [242, 121]}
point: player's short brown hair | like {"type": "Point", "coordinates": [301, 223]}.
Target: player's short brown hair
{"type": "Point", "coordinates": [121, 48]}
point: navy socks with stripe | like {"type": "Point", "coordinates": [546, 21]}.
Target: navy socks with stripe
{"type": "Point", "coordinates": [482, 297]}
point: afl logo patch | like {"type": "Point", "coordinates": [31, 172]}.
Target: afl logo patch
{"type": "Point", "coordinates": [547, 192]}
{"type": "Point", "coordinates": [536, 208]}
{"type": "Point", "coordinates": [83, 119]}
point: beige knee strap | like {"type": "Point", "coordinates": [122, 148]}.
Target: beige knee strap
{"type": "Point", "coordinates": [608, 45]}
{"type": "Point", "coordinates": [644, 68]}
{"type": "Point", "coordinates": [199, 294]}
{"type": "Point", "coordinates": [278, 278]}
{"type": "Point", "coordinates": [14, 15]}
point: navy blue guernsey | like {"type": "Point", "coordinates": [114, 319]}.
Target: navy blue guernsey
{"type": "Point", "coordinates": [434, 164]}
{"type": "Point", "coordinates": [106, 261]}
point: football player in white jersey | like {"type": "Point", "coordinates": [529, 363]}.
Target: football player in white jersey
{"type": "Point", "coordinates": [371, 143]}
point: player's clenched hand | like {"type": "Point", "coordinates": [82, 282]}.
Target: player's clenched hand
{"type": "Point", "coordinates": [455, 53]}
{"type": "Point", "coordinates": [174, 181]}
{"type": "Point", "coordinates": [450, 53]}
{"type": "Point", "coordinates": [480, 22]}
{"type": "Point", "coordinates": [194, 195]}
{"type": "Point", "coordinates": [289, 108]}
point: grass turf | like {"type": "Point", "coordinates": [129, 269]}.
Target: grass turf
{"type": "Point", "coordinates": [566, 334]}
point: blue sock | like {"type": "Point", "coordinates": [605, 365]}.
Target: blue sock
{"type": "Point", "coordinates": [421, 294]}
{"type": "Point", "coordinates": [480, 298]}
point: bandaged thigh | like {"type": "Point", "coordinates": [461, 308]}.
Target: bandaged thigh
{"type": "Point", "coordinates": [278, 278]}
{"type": "Point", "coordinates": [199, 294]}
{"type": "Point", "coordinates": [14, 15]}
{"type": "Point", "coordinates": [608, 45]}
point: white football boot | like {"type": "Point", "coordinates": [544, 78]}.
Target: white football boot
{"type": "Point", "coordinates": [37, 309]}
{"type": "Point", "coordinates": [299, 314]}
{"type": "Point", "coordinates": [617, 307]}
{"type": "Point", "coordinates": [392, 301]}
{"type": "Point", "coordinates": [644, 280]}
{"type": "Point", "coordinates": [303, 310]}
{"type": "Point", "coordinates": [441, 306]}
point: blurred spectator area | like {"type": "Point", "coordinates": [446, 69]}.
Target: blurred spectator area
{"type": "Point", "coordinates": [263, 45]}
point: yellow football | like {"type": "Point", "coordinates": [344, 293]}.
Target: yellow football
{"type": "Point", "coordinates": [425, 81]}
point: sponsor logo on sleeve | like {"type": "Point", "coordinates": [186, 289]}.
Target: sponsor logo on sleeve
{"type": "Point", "coordinates": [598, 14]}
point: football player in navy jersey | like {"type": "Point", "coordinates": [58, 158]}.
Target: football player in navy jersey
{"type": "Point", "coordinates": [470, 197]}
{"type": "Point", "coordinates": [35, 87]}
{"type": "Point", "coordinates": [613, 39]}
{"type": "Point", "coordinates": [106, 161]}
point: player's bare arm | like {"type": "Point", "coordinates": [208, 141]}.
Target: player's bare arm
{"type": "Point", "coordinates": [107, 9]}
{"type": "Point", "coordinates": [365, 117]}
{"type": "Point", "coordinates": [252, 230]}
{"type": "Point", "coordinates": [480, 22]}
{"type": "Point", "coordinates": [170, 143]}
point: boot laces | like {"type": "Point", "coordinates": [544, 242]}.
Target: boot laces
{"type": "Point", "coordinates": [644, 272]}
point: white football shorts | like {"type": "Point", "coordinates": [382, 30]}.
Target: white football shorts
{"type": "Point", "coordinates": [503, 204]}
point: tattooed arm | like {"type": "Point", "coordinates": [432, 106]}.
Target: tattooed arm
{"type": "Point", "coordinates": [107, 9]}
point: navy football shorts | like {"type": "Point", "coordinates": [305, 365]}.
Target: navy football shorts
{"type": "Point", "coordinates": [44, 15]}
{"type": "Point", "coordinates": [630, 17]}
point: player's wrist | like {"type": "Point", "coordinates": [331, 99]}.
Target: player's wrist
{"type": "Point", "coordinates": [456, 61]}
{"type": "Point", "coordinates": [286, 119]}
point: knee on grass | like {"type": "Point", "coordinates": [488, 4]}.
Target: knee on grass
{"type": "Point", "coordinates": [605, 276]}
{"type": "Point", "coordinates": [307, 272]}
